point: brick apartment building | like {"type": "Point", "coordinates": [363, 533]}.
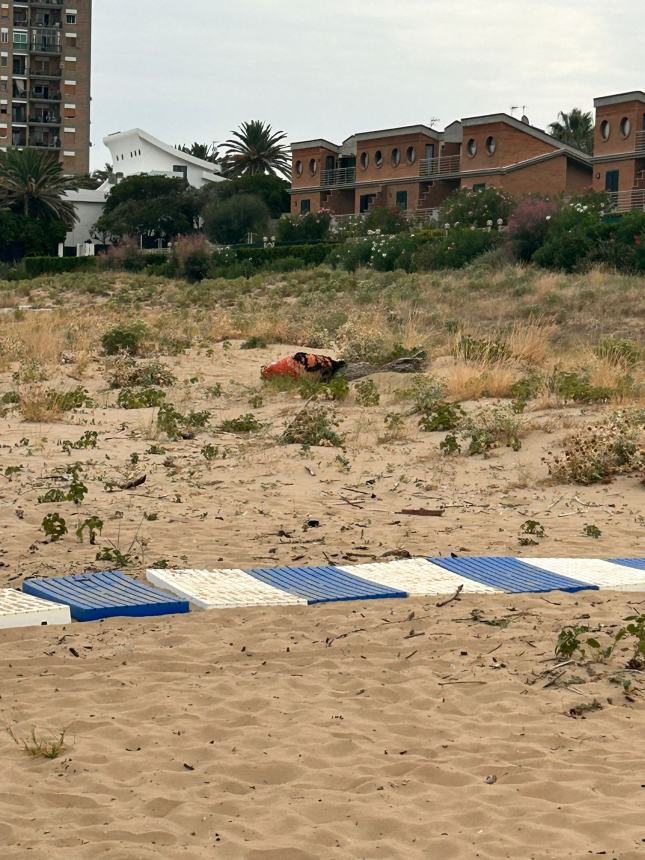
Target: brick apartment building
{"type": "Point", "coordinates": [619, 148]}
{"type": "Point", "coordinates": [416, 168]}
{"type": "Point", "coordinates": [45, 63]}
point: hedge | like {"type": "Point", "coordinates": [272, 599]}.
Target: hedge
{"type": "Point", "coordinates": [35, 266]}
{"type": "Point", "coordinates": [310, 255]}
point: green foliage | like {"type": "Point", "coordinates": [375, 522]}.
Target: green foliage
{"type": "Point", "coordinates": [36, 266]}
{"type": "Point", "coordinates": [33, 184]}
{"type": "Point", "coordinates": [247, 423]}
{"type": "Point", "coordinates": [254, 342]}
{"type": "Point", "coordinates": [528, 226]}
{"type": "Point", "coordinates": [335, 389]}
{"type": "Point", "coordinates": [271, 189]}
{"type": "Point", "coordinates": [21, 235]}
{"type": "Point", "coordinates": [573, 238]}
{"type": "Point", "coordinates": [620, 351]}
{"type": "Point", "coordinates": [124, 339]}
{"type": "Point", "coordinates": [176, 425]}
{"type": "Point", "coordinates": [88, 440]}
{"type": "Point", "coordinates": [93, 526]}
{"type": "Point", "coordinates": [367, 393]}
{"type": "Point", "coordinates": [525, 389]}
{"type": "Point", "coordinates": [469, 208]}
{"type": "Point", "coordinates": [263, 258]}
{"type": "Point", "coordinates": [40, 746]}
{"type": "Point", "coordinates": [65, 401]}
{"type": "Point", "coordinates": [210, 452]}
{"type": "Point", "coordinates": [54, 527]}
{"type": "Point", "coordinates": [575, 386]}
{"type": "Point", "coordinates": [592, 531]}
{"type": "Point", "coordinates": [570, 643]}
{"type": "Point", "coordinates": [10, 471]}
{"type": "Point", "coordinates": [387, 220]}
{"type": "Point", "coordinates": [140, 398]}
{"type": "Point", "coordinates": [51, 496]}
{"type": "Point", "coordinates": [450, 445]}
{"type": "Point", "coordinates": [530, 530]}
{"type": "Point", "coordinates": [424, 392]}
{"type": "Point", "coordinates": [576, 128]}
{"type": "Point", "coordinates": [455, 250]}
{"type": "Point", "coordinates": [441, 416]}
{"type": "Point", "coordinates": [156, 207]}
{"type": "Point", "coordinates": [256, 149]}
{"type": "Point", "coordinates": [310, 228]}
{"type": "Point", "coordinates": [114, 555]}
{"type": "Point", "coordinates": [215, 391]}
{"type": "Point", "coordinates": [228, 222]}
{"type": "Point", "coordinates": [315, 425]}
{"type": "Point", "coordinates": [636, 628]}
{"type": "Point", "coordinates": [126, 373]}
{"type": "Point", "coordinates": [489, 428]}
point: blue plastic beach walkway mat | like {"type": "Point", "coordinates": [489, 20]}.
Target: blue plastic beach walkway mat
{"type": "Point", "coordinates": [638, 563]}
{"type": "Point", "coordinates": [511, 574]}
{"type": "Point", "coordinates": [91, 596]}
{"type": "Point", "coordinates": [323, 584]}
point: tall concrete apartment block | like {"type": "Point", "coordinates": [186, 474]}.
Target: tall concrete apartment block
{"type": "Point", "coordinates": [45, 70]}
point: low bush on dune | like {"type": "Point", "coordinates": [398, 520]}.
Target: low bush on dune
{"type": "Point", "coordinates": [313, 426]}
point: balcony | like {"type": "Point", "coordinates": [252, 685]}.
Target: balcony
{"type": "Point", "coordinates": [343, 177]}
{"type": "Point", "coordinates": [48, 3]}
{"type": "Point", "coordinates": [43, 96]}
{"type": "Point", "coordinates": [640, 142]}
{"type": "Point", "coordinates": [45, 144]}
{"type": "Point", "coordinates": [628, 201]}
{"type": "Point", "coordinates": [44, 119]}
{"type": "Point", "coordinates": [440, 168]}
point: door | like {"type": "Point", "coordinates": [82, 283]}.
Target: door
{"type": "Point", "coordinates": [429, 150]}
{"type": "Point", "coordinates": [612, 180]}
{"type": "Point", "coordinates": [402, 200]}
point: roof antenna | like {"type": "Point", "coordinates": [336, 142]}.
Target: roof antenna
{"type": "Point", "coordinates": [434, 120]}
{"type": "Point", "coordinates": [514, 108]}
{"type": "Point", "coordinates": [525, 119]}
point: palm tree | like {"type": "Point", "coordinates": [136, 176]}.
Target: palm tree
{"type": "Point", "coordinates": [33, 184]}
{"type": "Point", "coordinates": [575, 128]}
{"type": "Point", "coordinates": [205, 151]}
{"type": "Point", "coordinates": [256, 149]}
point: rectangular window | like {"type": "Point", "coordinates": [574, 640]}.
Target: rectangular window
{"type": "Point", "coordinates": [71, 17]}
{"type": "Point", "coordinates": [479, 186]}
{"type": "Point", "coordinates": [402, 200]}
{"type": "Point", "coordinates": [366, 201]}
{"type": "Point", "coordinates": [20, 41]}
{"type": "Point", "coordinates": [305, 206]}
{"type": "Point", "coordinates": [180, 169]}
{"type": "Point", "coordinates": [612, 180]}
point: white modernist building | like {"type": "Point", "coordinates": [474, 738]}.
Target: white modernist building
{"type": "Point", "coordinates": [133, 153]}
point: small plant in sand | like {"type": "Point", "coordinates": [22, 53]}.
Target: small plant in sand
{"type": "Point", "coordinates": [597, 454]}
{"type": "Point", "coordinates": [425, 392]}
{"type": "Point", "coordinates": [254, 342]}
{"type": "Point", "coordinates": [176, 425]}
{"type": "Point", "coordinates": [246, 423]}
{"type": "Point", "coordinates": [491, 427]}
{"type": "Point", "coordinates": [450, 445]}
{"type": "Point", "coordinates": [571, 644]}
{"type": "Point", "coordinates": [636, 629]}
{"type": "Point", "coordinates": [140, 398]}
{"type": "Point", "coordinates": [210, 452]}
{"type": "Point", "coordinates": [620, 352]}
{"type": "Point", "coordinates": [77, 490]}
{"type": "Point", "coordinates": [394, 427]}
{"type": "Point", "coordinates": [335, 389]}
{"type": "Point", "coordinates": [93, 526]}
{"type": "Point", "coordinates": [54, 527]}
{"type": "Point", "coordinates": [343, 463]}
{"type": "Point", "coordinates": [124, 372]}
{"type": "Point", "coordinates": [574, 386]}
{"type": "Point", "coordinates": [11, 471]}
{"type": "Point", "coordinates": [592, 531]}
{"type": "Point", "coordinates": [481, 349]}
{"type": "Point", "coordinates": [315, 425]}
{"type": "Point", "coordinates": [526, 389]}
{"type": "Point", "coordinates": [88, 440]}
{"type": "Point", "coordinates": [40, 746]}
{"type": "Point", "coordinates": [367, 393]}
{"type": "Point", "coordinates": [214, 391]}
{"type": "Point", "coordinates": [531, 532]}
{"type": "Point", "coordinates": [441, 416]}
{"type": "Point", "coordinates": [126, 339]}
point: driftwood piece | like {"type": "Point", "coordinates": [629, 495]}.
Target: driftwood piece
{"type": "Point", "coordinates": [408, 364]}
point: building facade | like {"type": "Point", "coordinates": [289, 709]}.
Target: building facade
{"type": "Point", "coordinates": [415, 168]}
{"type": "Point", "coordinates": [45, 76]}
{"type": "Point", "coordinates": [619, 149]}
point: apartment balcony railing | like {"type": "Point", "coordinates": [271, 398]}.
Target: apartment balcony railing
{"type": "Point", "coordinates": [43, 119]}
{"type": "Point", "coordinates": [57, 3]}
{"type": "Point", "coordinates": [340, 178]}
{"type": "Point", "coordinates": [45, 144]}
{"type": "Point", "coordinates": [41, 97]}
{"type": "Point", "coordinates": [437, 168]}
{"type": "Point", "coordinates": [628, 201]}
{"type": "Point", "coordinates": [640, 141]}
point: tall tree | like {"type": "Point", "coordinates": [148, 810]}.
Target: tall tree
{"type": "Point", "coordinates": [32, 183]}
{"type": "Point", "coordinates": [205, 151]}
{"type": "Point", "coordinates": [255, 149]}
{"type": "Point", "coordinates": [575, 128]}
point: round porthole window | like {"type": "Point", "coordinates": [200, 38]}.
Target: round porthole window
{"type": "Point", "coordinates": [313, 167]}
{"type": "Point", "coordinates": [625, 127]}
{"type": "Point", "coordinates": [411, 155]}
{"type": "Point", "coordinates": [396, 156]}
{"type": "Point", "coordinates": [605, 129]}
{"type": "Point", "coordinates": [491, 145]}
{"type": "Point", "coordinates": [378, 158]}
{"type": "Point", "coordinates": [298, 168]}
{"type": "Point", "coordinates": [365, 160]}
{"type": "Point", "coordinates": [472, 147]}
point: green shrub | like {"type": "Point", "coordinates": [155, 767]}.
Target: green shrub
{"type": "Point", "coordinates": [597, 454]}
{"type": "Point", "coordinates": [489, 428]}
{"type": "Point", "coordinates": [125, 373]}
{"type": "Point", "coordinates": [230, 221]}
{"type": "Point", "coordinates": [36, 266]}
{"type": "Point", "coordinates": [351, 255]}
{"type": "Point", "coordinates": [312, 227]}
{"type": "Point", "coordinates": [574, 386]}
{"type": "Point", "coordinates": [335, 389]}
{"type": "Point", "coordinates": [620, 351]}
{"type": "Point", "coordinates": [246, 423]}
{"type": "Point", "coordinates": [470, 208]}
{"type": "Point", "coordinates": [65, 401]}
{"type": "Point", "coordinates": [387, 220]}
{"type": "Point", "coordinates": [176, 425]}
{"type": "Point", "coordinates": [315, 425]}
{"type": "Point", "coordinates": [481, 349]}
{"type": "Point", "coordinates": [454, 250]}
{"type": "Point", "coordinates": [441, 416]}
{"type": "Point", "coordinates": [424, 392]}
{"type": "Point", "coordinates": [254, 343]}
{"type": "Point", "coordinates": [140, 398]}
{"type": "Point", "coordinates": [124, 339]}
{"type": "Point", "coordinates": [367, 393]}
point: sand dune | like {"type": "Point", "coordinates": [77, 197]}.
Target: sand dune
{"type": "Point", "coordinates": [257, 735]}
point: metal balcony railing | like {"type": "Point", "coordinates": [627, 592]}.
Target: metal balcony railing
{"type": "Point", "coordinates": [343, 176]}
{"type": "Point", "coordinates": [45, 144]}
{"type": "Point", "coordinates": [640, 141]}
{"type": "Point", "coordinates": [628, 201]}
{"type": "Point", "coordinates": [446, 165]}
{"type": "Point", "coordinates": [44, 119]}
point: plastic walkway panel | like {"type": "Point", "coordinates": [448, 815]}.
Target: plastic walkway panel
{"type": "Point", "coordinates": [604, 574]}
{"type": "Point", "coordinates": [638, 563]}
{"type": "Point", "coordinates": [510, 574]}
{"type": "Point", "coordinates": [221, 589]}
{"type": "Point", "coordinates": [91, 596]}
{"type": "Point", "coordinates": [418, 576]}
{"type": "Point", "coordinates": [23, 610]}
{"type": "Point", "coordinates": [323, 584]}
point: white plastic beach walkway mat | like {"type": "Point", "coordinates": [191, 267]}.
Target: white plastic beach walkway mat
{"type": "Point", "coordinates": [23, 610]}
{"type": "Point", "coordinates": [418, 576]}
{"type": "Point", "coordinates": [221, 589]}
{"type": "Point", "coordinates": [604, 574]}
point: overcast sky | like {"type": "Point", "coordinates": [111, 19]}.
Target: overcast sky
{"type": "Point", "coordinates": [193, 70]}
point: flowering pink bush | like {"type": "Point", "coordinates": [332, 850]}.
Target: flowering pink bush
{"type": "Point", "coordinates": [528, 226]}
